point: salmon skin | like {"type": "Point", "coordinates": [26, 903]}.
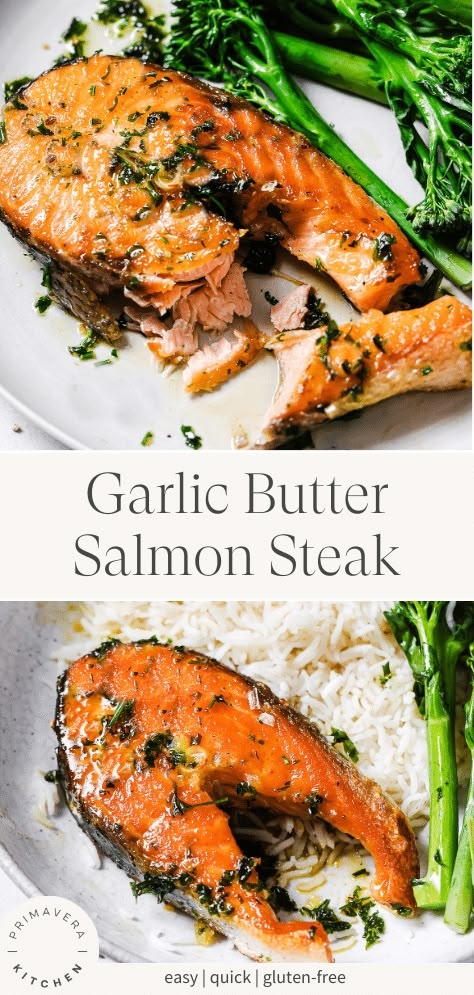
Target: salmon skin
{"type": "Point", "coordinates": [154, 740]}
{"type": "Point", "coordinates": [326, 371]}
{"type": "Point", "coordinates": [144, 179]}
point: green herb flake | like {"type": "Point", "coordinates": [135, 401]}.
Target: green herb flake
{"type": "Point", "coordinates": [379, 342]}
{"type": "Point", "coordinates": [123, 711]}
{"type": "Point", "coordinates": [244, 788]}
{"type": "Point", "coordinates": [10, 90]}
{"type": "Point", "coordinates": [313, 802]}
{"type": "Point", "coordinates": [466, 346]}
{"type": "Point", "coordinates": [382, 250]}
{"type": "Point", "coordinates": [386, 674]}
{"type": "Point", "coordinates": [147, 439]}
{"type": "Point", "coordinates": [426, 371]}
{"type": "Point", "coordinates": [216, 699]}
{"type": "Point", "coordinates": [326, 916]}
{"type": "Point", "coordinates": [270, 299]}
{"type": "Point", "coordinates": [191, 438]}
{"type": "Point", "coordinates": [339, 736]}
{"type": "Point", "coordinates": [75, 30]}
{"type": "Point", "coordinates": [85, 350]}
{"type": "Point", "coordinates": [43, 303]}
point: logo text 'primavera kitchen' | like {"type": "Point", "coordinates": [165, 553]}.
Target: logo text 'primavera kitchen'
{"type": "Point", "coordinates": [46, 943]}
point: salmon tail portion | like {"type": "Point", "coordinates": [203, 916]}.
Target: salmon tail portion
{"type": "Point", "coordinates": [326, 371]}
{"type": "Point", "coordinates": [156, 744]}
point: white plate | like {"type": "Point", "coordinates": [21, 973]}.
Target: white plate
{"type": "Point", "coordinates": [61, 861]}
{"type": "Point", "coordinates": [112, 407]}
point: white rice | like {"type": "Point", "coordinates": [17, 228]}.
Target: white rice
{"type": "Point", "coordinates": [325, 658]}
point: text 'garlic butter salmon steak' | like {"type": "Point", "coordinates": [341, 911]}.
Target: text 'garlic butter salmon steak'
{"type": "Point", "coordinates": [156, 742]}
{"type": "Point", "coordinates": [126, 176]}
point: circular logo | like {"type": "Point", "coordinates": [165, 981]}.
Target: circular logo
{"type": "Point", "coordinates": [47, 943]}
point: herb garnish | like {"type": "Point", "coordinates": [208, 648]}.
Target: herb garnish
{"type": "Point", "coordinates": [155, 745]}
{"type": "Point", "coordinates": [325, 915]}
{"type": "Point", "coordinates": [382, 250]}
{"type": "Point", "coordinates": [279, 899]}
{"type": "Point", "coordinates": [160, 884]}
{"type": "Point", "coordinates": [129, 14]}
{"type": "Point", "coordinates": [244, 788]}
{"type": "Point", "coordinates": [11, 89]}
{"type": "Point", "coordinates": [313, 802]}
{"type": "Point", "coordinates": [147, 439]}
{"type": "Point", "coordinates": [386, 674]}
{"type": "Point", "coordinates": [361, 905]}
{"type": "Point", "coordinates": [85, 350]}
{"type": "Point", "coordinates": [191, 438]}
{"type": "Point", "coordinates": [104, 648]}
{"type": "Point", "coordinates": [179, 807]}
{"type": "Point", "coordinates": [269, 297]}
{"type": "Point", "coordinates": [43, 303]}
{"type": "Point", "coordinates": [123, 711]}
{"type": "Point", "coordinates": [339, 736]}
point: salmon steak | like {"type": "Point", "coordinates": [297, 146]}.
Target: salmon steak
{"type": "Point", "coordinates": [124, 177]}
{"type": "Point", "coordinates": [327, 371]}
{"type": "Point", "coordinates": [157, 743]}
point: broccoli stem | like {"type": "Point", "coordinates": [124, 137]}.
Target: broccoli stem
{"type": "Point", "coordinates": [331, 66]}
{"type": "Point", "coordinates": [460, 898]}
{"type": "Point", "coordinates": [432, 891]}
{"type": "Point", "coordinates": [460, 10]}
{"type": "Point", "coordinates": [299, 111]}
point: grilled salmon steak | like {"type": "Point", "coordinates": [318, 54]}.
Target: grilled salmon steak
{"type": "Point", "coordinates": [154, 740]}
{"type": "Point", "coordinates": [326, 371]}
{"type": "Point", "coordinates": [125, 176]}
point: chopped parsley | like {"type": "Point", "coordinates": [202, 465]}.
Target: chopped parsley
{"type": "Point", "coordinates": [313, 802]}
{"type": "Point", "coordinates": [11, 89]}
{"type": "Point", "coordinates": [244, 788]}
{"type": "Point", "coordinates": [270, 299]}
{"type": "Point", "coordinates": [85, 350]}
{"type": "Point", "coordinates": [191, 438]}
{"type": "Point", "coordinates": [147, 439]}
{"type": "Point", "coordinates": [361, 905]}
{"type": "Point", "coordinates": [466, 346]}
{"type": "Point", "coordinates": [386, 674]}
{"type": "Point", "coordinates": [104, 648]}
{"type": "Point", "coordinates": [123, 711]}
{"type": "Point", "coordinates": [43, 303]}
{"type": "Point", "coordinates": [160, 884]}
{"type": "Point", "coordinates": [379, 342]}
{"type": "Point", "coordinates": [339, 736]}
{"type": "Point", "coordinates": [179, 807]}
{"type": "Point", "coordinates": [402, 910]}
{"type": "Point", "coordinates": [75, 30]}
{"type": "Point", "coordinates": [325, 915]}
{"type": "Point", "coordinates": [279, 899]}
{"type": "Point", "coordinates": [132, 14]}
{"type": "Point", "coordinates": [155, 745]}
{"type": "Point", "coordinates": [215, 700]}
{"type": "Point", "coordinates": [382, 250]}
{"type": "Point", "coordinates": [426, 371]}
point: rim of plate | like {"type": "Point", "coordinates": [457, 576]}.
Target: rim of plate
{"type": "Point", "coordinates": [47, 426]}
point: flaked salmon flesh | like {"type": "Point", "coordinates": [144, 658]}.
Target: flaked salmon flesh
{"type": "Point", "coordinates": [155, 744]}
{"type": "Point", "coordinates": [134, 177]}
{"type": "Point", "coordinates": [327, 371]}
